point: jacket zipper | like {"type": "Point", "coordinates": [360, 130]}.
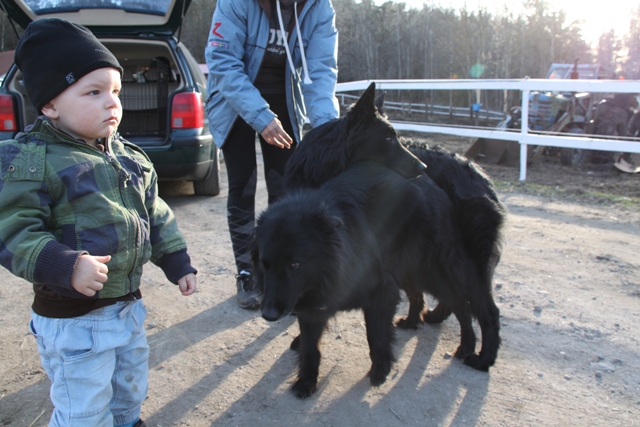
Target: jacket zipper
{"type": "Point", "coordinates": [123, 178]}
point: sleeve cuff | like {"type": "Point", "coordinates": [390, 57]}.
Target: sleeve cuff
{"type": "Point", "coordinates": [176, 265]}
{"type": "Point", "coordinates": [263, 120]}
{"type": "Point", "coordinates": [55, 265]}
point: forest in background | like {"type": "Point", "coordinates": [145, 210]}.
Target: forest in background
{"type": "Point", "coordinates": [392, 41]}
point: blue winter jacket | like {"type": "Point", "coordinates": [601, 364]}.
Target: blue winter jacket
{"type": "Point", "coordinates": [235, 48]}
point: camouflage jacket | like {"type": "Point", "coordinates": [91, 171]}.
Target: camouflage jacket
{"type": "Point", "coordinates": [61, 198]}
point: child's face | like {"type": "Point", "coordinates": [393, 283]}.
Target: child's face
{"type": "Point", "coordinates": [90, 108]}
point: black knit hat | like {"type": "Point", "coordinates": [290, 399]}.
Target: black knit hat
{"type": "Point", "coordinates": [53, 54]}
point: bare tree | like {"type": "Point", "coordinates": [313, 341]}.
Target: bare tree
{"type": "Point", "coordinates": [195, 29]}
{"type": "Point", "coordinates": [631, 66]}
{"type": "Point", "coordinates": [393, 41]}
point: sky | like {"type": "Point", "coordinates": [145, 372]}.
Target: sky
{"type": "Point", "coordinates": [598, 16]}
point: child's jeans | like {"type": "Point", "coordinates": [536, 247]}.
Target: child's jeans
{"type": "Point", "coordinates": [97, 363]}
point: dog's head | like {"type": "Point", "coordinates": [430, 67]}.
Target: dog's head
{"type": "Point", "coordinates": [373, 138]}
{"type": "Point", "coordinates": [363, 134]}
{"type": "Point", "coordinates": [290, 255]}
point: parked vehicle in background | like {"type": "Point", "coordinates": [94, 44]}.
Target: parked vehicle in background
{"type": "Point", "coordinates": [163, 87]}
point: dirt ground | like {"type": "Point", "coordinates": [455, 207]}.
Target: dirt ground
{"type": "Point", "coordinates": [568, 288]}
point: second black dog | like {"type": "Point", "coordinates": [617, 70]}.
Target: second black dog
{"type": "Point", "coordinates": [478, 212]}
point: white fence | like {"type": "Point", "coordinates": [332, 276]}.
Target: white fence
{"type": "Point", "coordinates": [525, 137]}
{"type": "Point", "coordinates": [431, 109]}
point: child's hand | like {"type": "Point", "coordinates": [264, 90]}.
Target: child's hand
{"type": "Point", "coordinates": [89, 274]}
{"type": "Point", "coordinates": [187, 284]}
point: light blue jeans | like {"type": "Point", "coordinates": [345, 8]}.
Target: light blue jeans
{"type": "Point", "coordinates": [97, 364]}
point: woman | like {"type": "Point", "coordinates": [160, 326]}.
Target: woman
{"type": "Point", "coordinates": [272, 66]}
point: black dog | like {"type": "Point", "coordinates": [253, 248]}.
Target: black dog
{"type": "Point", "coordinates": [364, 134]}
{"type": "Point", "coordinates": [349, 245]}
{"type": "Point", "coordinates": [478, 212]}
{"type": "Point", "coordinates": [318, 251]}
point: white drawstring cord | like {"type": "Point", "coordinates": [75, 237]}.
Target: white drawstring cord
{"type": "Point", "coordinates": [306, 79]}
{"type": "Point", "coordinates": [126, 309]}
{"type": "Point", "coordinates": [284, 34]}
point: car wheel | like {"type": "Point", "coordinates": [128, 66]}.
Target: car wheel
{"type": "Point", "coordinates": [210, 185]}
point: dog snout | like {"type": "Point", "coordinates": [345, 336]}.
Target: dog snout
{"type": "Point", "coordinates": [271, 313]}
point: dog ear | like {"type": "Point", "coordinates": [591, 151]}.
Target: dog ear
{"type": "Point", "coordinates": [380, 104]}
{"type": "Point", "coordinates": [366, 105]}
{"type": "Point", "coordinates": [327, 218]}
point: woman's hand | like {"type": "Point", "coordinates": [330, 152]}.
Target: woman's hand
{"type": "Point", "coordinates": [274, 134]}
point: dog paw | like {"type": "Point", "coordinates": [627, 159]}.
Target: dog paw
{"type": "Point", "coordinates": [295, 344]}
{"type": "Point", "coordinates": [406, 323]}
{"type": "Point", "coordinates": [303, 388]}
{"type": "Point", "coordinates": [477, 363]}
{"type": "Point", "coordinates": [432, 319]}
{"type": "Point", "coordinates": [463, 353]}
{"type": "Point", "coordinates": [437, 315]}
{"type": "Point", "coordinates": [378, 374]}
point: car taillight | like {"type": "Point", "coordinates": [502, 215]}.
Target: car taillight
{"type": "Point", "coordinates": [7, 116]}
{"type": "Point", "coordinates": [187, 111]}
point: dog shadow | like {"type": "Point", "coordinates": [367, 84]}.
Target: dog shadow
{"type": "Point", "coordinates": [457, 393]}
{"type": "Point", "coordinates": [453, 396]}
{"type": "Point", "coordinates": [176, 410]}
{"type": "Point", "coordinates": [414, 391]}
{"type": "Point", "coordinates": [179, 337]}
{"type": "Point", "coordinates": [163, 345]}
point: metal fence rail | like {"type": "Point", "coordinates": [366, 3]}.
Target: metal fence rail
{"type": "Point", "coordinates": [524, 137]}
{"type": "Point", "coordinates": [431, 109]}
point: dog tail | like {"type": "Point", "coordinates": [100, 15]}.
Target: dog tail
{"type": "Point", "coordinates": [482, 220]}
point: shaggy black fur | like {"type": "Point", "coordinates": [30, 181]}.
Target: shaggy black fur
{"type": "Point", "coordinates": [478, 213]}
{"type": "Point", "coordinates": [362, 134]}
{"type": "Point", "coordinates": [365, 134]}
{"type": "Point", "coordinates": [363, 220]}
{"type": "Point", "coordinates": [317, 251]}
{"type": "Point", "coordinates": [351, 244]}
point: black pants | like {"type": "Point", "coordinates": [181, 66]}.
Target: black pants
{"type": "Point", "coordinates": [239, 153]}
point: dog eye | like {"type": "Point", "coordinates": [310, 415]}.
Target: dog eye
{"type": "Point", "coordinates": [293, 266]}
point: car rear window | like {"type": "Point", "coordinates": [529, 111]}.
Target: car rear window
{"type": "Point", "coordinates": [153, 7]}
